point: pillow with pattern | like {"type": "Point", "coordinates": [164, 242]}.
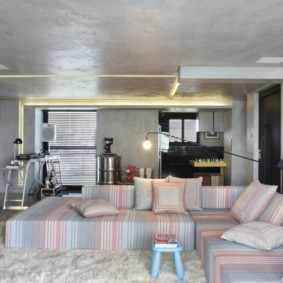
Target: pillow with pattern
{"type": "Point", "coordinates": [193, 188]}
{"type": "Point", "coordinates": [256, 234]}
{"type": "Point", "coordinates": [168, 198]}
{"type": "Point", "coordinates": [143, 192]}
{"type": "Point", "coordinates": [273, 213]}
{"type": "Point", "coordinates": [252, 202]}
{"type": "Point", "coordinates": [95, 207]}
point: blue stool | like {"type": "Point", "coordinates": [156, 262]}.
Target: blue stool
{"type": "Point", "coordinates": [156, 259]}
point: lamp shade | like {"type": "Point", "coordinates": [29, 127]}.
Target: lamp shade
{"type": "Point", "coordinates": [280, 164]}
{"type": "Point", "coordinates": [18, 141]}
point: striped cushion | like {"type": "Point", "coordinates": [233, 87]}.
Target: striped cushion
{"type": "Point", "coordinates": [121, 196]}
{"type": "Point", "coordinates": [256, 234]}
{"type": "Point", "coordinates": [94, 207]}
{"type": "Point", "coordinates": [273, 213]}
{"type": "Point", "coordinates": [252, 202]}
{"type": "Point", "coordinates": [228, 262]}
{"type": "Point", "coordinates": [192, 191]}
{"type": "Point", "coordinates": [220, 196]}
{"type": "Point", "coordinates": [143, 192]}
{"type": "Point", "coordinates": [53, 224]}
{"type": "Point", "coordinates": [168, 198]}
{"type": "Point", "coordinates": [210, 224]}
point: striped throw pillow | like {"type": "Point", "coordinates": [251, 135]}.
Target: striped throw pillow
{"type": "Point", "coordinates": [169, 198]}
{"type": "Point", "coordinates": [143, 192]}
{"type": "Point", "coordinates": [95, 207]}
{"type": "Point", "coordinates": [273, 213]}
{"type": "Point", "coordinates": [193, 188]}
{"type": "Point", "coordinates": [256, 234]}
{"type": "Point", "coordinates": [252, 202]}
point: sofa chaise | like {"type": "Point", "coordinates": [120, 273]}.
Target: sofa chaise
{"type": "Point", "coordinates": [53, 223]}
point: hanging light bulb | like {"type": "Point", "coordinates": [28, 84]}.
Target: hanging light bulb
{"type": "Point", "coordinates": [147, 144]}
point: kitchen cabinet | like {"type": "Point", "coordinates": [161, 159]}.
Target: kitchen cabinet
{"type": "Point", "coordinates": [211, 121]}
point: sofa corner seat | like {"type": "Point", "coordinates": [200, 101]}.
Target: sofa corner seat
{"type": "Point", "coordinates": [229, 262]}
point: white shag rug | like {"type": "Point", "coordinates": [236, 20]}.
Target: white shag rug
{"type": "Point", "coordinates": [32, 265]}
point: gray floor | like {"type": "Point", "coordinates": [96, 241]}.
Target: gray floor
{"type": "Point", "coordinates": [6, 214]}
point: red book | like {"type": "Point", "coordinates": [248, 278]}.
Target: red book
{"type": "Point", "coordinates": [165, 241]}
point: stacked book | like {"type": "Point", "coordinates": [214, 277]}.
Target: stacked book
{"type": "Point", "coordinates": [165, 241]}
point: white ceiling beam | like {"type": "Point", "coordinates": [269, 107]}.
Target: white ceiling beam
{"type": "Point", "coordinates": [231, 73]}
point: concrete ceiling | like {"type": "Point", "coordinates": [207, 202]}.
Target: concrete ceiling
{"type": "Point", "coordinates": [129, 52]}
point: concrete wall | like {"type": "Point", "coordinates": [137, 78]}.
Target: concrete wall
{"type": "Point", "coordinates": [239, 140]}
{"type": "Point", "coordinates": [228, 145]}
{"type": "Point", "coordinates": [29, 129]}
{"type": "Point", "coordinates": [252, 136]}
{"type": "Point", "coordinates": [128, 128]}
{"type": "Point", "coordinates": [8, 133]}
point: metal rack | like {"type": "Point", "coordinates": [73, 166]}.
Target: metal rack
{"type": "Point", "coordinates": [21, 175]}
{"type": "Point", "coordinates": [10, 174]}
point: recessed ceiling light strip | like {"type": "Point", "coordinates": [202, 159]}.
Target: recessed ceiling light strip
{"type": "Point", "coordinates": [87, 75]}
{"type": "Point", "coordinates": [174, 88]}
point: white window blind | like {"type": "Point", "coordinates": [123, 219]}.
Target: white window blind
{"type": "Point", "coordinates": [175, 129]}
{"type": "Point", "coordinates": [76, 145]}
{"type": "Point", "coordinates": [190, 130]}
{"type": "Point", "coordinates": [183, 129]}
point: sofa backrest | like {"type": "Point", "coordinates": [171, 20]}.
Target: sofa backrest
{"type": "Point", "coordinates": [220, 196]}
{"type": "Point", "coordinates": [121, 196]}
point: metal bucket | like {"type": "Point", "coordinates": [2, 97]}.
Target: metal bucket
{"type": "Point", "coordinates": [108, 169]}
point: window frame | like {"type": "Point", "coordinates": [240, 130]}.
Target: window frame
{"type": "Point", "coordinates": [164, 119]}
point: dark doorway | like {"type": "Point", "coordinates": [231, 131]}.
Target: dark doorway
{"type": "Point", "coordinates": [270, 135]}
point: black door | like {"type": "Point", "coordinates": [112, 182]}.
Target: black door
{"type": "Point", "coordinates": [270, 135]}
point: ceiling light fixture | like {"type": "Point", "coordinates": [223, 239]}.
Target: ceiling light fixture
{"type": "Point", "coordinates": [87, 75]}
{"type": "Point", "coordinates": [174, 88]}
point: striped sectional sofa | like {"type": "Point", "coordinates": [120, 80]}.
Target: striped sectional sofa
{"type": "Point", "coordinates": [53, 224]}
{"type": "Point", "coordinates": [228, 262]}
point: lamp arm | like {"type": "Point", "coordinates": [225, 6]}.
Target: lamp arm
{"type": "Point", "coordinates": [195, 143]}
{"type": "Point", "coordinates": [158, 133]}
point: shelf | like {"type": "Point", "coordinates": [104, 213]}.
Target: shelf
{"type": "Point", "coordinates": [220, 165]}
{"type": "Point", "coordinates": [207, 164]}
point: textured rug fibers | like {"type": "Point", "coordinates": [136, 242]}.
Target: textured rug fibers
{"type": "Point", "coordinates": [31, 265]}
